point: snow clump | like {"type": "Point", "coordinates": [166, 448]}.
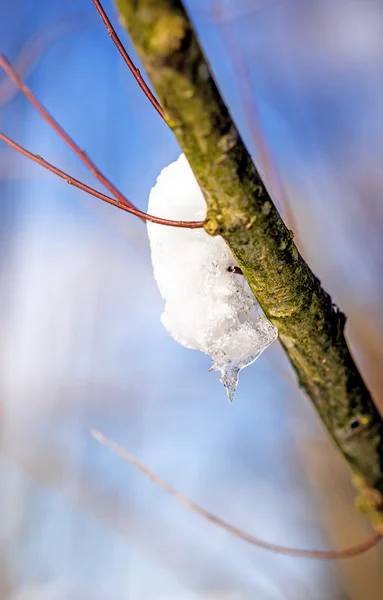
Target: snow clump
{"type": "Point", "coordinates": [208, 306]}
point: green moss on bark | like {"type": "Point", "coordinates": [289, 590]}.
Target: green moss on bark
{"type": "Point", "coordinates": [311, 328]}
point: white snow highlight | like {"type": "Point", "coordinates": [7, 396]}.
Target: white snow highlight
{"type": "Point", "coordinates": [207, 306]}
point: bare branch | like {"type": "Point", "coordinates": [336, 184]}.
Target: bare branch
{"type": "Point", "coordinates": [349, 552]}
{"type": "Point", "coordinates": [86, 188]}
{"type": "Point", "coordinates": [240, 209]}
{"type": "Point", "coordinates": [122, 50]}
{"type": "Point", "coordinates": [249, 105]}
{"type": "Point", "coordinates": [267, 164]}
{"type": "Point", "coordinates": [122, 201]}
{"type": "Point", "coordinates": [4, 64]}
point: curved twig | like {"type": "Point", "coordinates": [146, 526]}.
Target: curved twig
{"type": "Point", "coordinates": [132, 67]}
{"type": "Point", "coordinates": [9, 70]}
{"type": "Point", "coordinates": [129, 208]}
{"type": "Point", "coordinates": [122, 201]}
{"type": "Point", "coordinates": [248, 102]}
{"type": "Point", "coordinates": [349, 552]}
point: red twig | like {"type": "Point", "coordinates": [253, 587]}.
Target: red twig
{"type": "Point", "coordinates": [122, 201]}
{"type": "Point", "coordinates": [275, 548]}
{"type": "Point", "coordinates": [86, 188]}
{"type": "Point", "coordinates": [4, 64]}
{"type": "Point", "coordinates": [133, 69]}
{"type": "Point", "coordinates": [267, 164]}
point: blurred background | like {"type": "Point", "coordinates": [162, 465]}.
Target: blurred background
{"type": "Point", "coordinates": [81, 341]}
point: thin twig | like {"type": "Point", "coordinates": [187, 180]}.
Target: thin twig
{"type": "Point", "coordinates": [4, 64]}
{"type": "Point", "coordinates": [132, 67]}
{"type": "Point", "coordinates": [275, 548]}
{"type": "Point", "coordinates": [267, 164]}
{"type": "Point", "coordinates": [86, 188]}
{"type": "Point", "coordinates": [122, 201]}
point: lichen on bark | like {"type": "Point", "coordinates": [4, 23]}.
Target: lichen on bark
{"type": "Point", "coordinates": [239, 208]}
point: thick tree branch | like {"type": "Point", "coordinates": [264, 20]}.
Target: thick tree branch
{"type": "Point", "coordinates": [241, 210]}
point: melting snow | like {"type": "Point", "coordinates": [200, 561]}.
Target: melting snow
{"type": "Point", "coordinates": [208, 307]}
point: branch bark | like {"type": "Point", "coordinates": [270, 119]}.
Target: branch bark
{"type": "Point", "coordinates": [239, 208]}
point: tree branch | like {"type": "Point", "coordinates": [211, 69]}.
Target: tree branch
{"type": "Point", "coordinates": [311, 328]}
{"type": "Point", "coordinates": [349, 552]}
{"type": "Point", "coordinates": [121, 201]}
{"type": "Point", "coordinates": [128, 61]}
{"type": "Point", "coordinates": [129, 208]}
